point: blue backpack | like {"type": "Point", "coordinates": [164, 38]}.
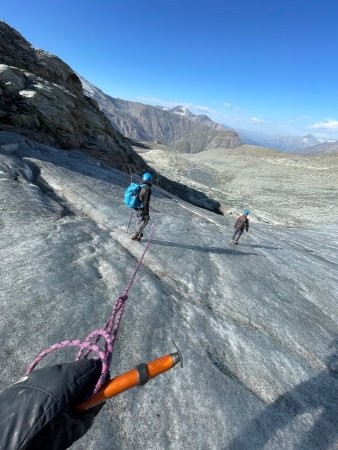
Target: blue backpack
{"type": "Point", "coordinates": [131, 196]}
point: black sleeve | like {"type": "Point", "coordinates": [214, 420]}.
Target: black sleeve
{"type": "Point", "coordinates": [38, 412]}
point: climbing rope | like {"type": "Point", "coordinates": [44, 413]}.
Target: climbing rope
{"type": "Point", "coordinates": [171, 215]}
{"type": "Point", "coordinates": [108, 333]}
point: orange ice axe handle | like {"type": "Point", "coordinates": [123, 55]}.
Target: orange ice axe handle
{"type": "Point", "coordinates": [135, 377]}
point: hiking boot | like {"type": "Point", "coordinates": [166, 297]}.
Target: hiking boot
{"type": "Point", "coordinates": [236, 243]}
{"type": "Point", "coordinates": [135, 237]}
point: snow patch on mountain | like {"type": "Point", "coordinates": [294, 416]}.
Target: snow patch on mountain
{"type": "Point", "coordinates": [181, 110]}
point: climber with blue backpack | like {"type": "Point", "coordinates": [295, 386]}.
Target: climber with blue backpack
{"type": "Point", "coordinates": [137, 196]}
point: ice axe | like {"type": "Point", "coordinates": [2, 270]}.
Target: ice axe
{"type": "Point", "coordinates": [138, 376]}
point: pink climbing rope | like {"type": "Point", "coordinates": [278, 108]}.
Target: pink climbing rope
{"type": "Point", "coordinates": [108, 333]}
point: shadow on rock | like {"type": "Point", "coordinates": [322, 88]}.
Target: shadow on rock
{"type": "Point", "coordinates": [218, 250]}
{"type": "Point", "coordinates": [56, 156]}
{"type": "Point", "coordinates": [190, 194]}
{"type": "Point", "coordinates": [263, 246]}
{"type": "Point", "coordinates": [318, 395]}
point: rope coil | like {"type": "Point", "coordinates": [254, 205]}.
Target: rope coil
{"type": "Point", "coordinates": [108, 334]}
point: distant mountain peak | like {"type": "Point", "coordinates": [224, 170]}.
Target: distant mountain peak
{"type": "Point", "coordinates": [181, 110]}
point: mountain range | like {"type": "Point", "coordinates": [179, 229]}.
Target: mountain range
{"type": "Point", "coordinates": [177, 128]}
{"type": "Point", "coordinates": [287, 143]}
{"type": "Point", "coordinates": [181, 130]}
{"type": "Point", "coordinates": [324, 148]}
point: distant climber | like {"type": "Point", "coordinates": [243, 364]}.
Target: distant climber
{"type": "Point", "coordinates": [142, 210]}
{"type": "Point", "coordinates": [241, 224]}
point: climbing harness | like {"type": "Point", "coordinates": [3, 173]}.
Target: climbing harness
{"type": "Point", "coordinates": [108, 333]}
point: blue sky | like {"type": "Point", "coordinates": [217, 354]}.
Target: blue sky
{"type": "Point", "coordinates": [265, 65]}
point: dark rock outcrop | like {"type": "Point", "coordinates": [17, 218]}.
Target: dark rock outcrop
{"type": "Point", "coordinates": [42, 98]}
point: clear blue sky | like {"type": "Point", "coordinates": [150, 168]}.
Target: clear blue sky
{"type": "Point", "coordinates": [269, 65]}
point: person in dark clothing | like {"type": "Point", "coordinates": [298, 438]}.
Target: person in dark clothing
{"type": "Point", "coordinates": [241, 224]}
{"type": "Point", "coordinates": [142, 213]}
{"type": "Point", "coordinates": [38, 412]}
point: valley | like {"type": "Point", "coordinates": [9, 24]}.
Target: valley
{"type": "Point", "coordinates": [277, 187]}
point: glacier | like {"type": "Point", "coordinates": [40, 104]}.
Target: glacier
{"type": "Point", "coordinates": [256, 323]}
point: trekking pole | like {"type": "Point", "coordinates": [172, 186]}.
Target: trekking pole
{"type": "Point", "coordinates": [138, 376]}
{"type": "Point", "coordinates": [131, 216]}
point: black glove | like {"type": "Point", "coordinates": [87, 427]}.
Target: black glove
{"type": "Point", "coordinates": [146, 217]}
{"type": "Point", "coordinates": [38, 412]}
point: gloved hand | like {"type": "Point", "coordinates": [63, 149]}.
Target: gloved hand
{"type": "Point", "coordinates": [38, 411]}
{"type": "Point", "coordinates": [146, 217]}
